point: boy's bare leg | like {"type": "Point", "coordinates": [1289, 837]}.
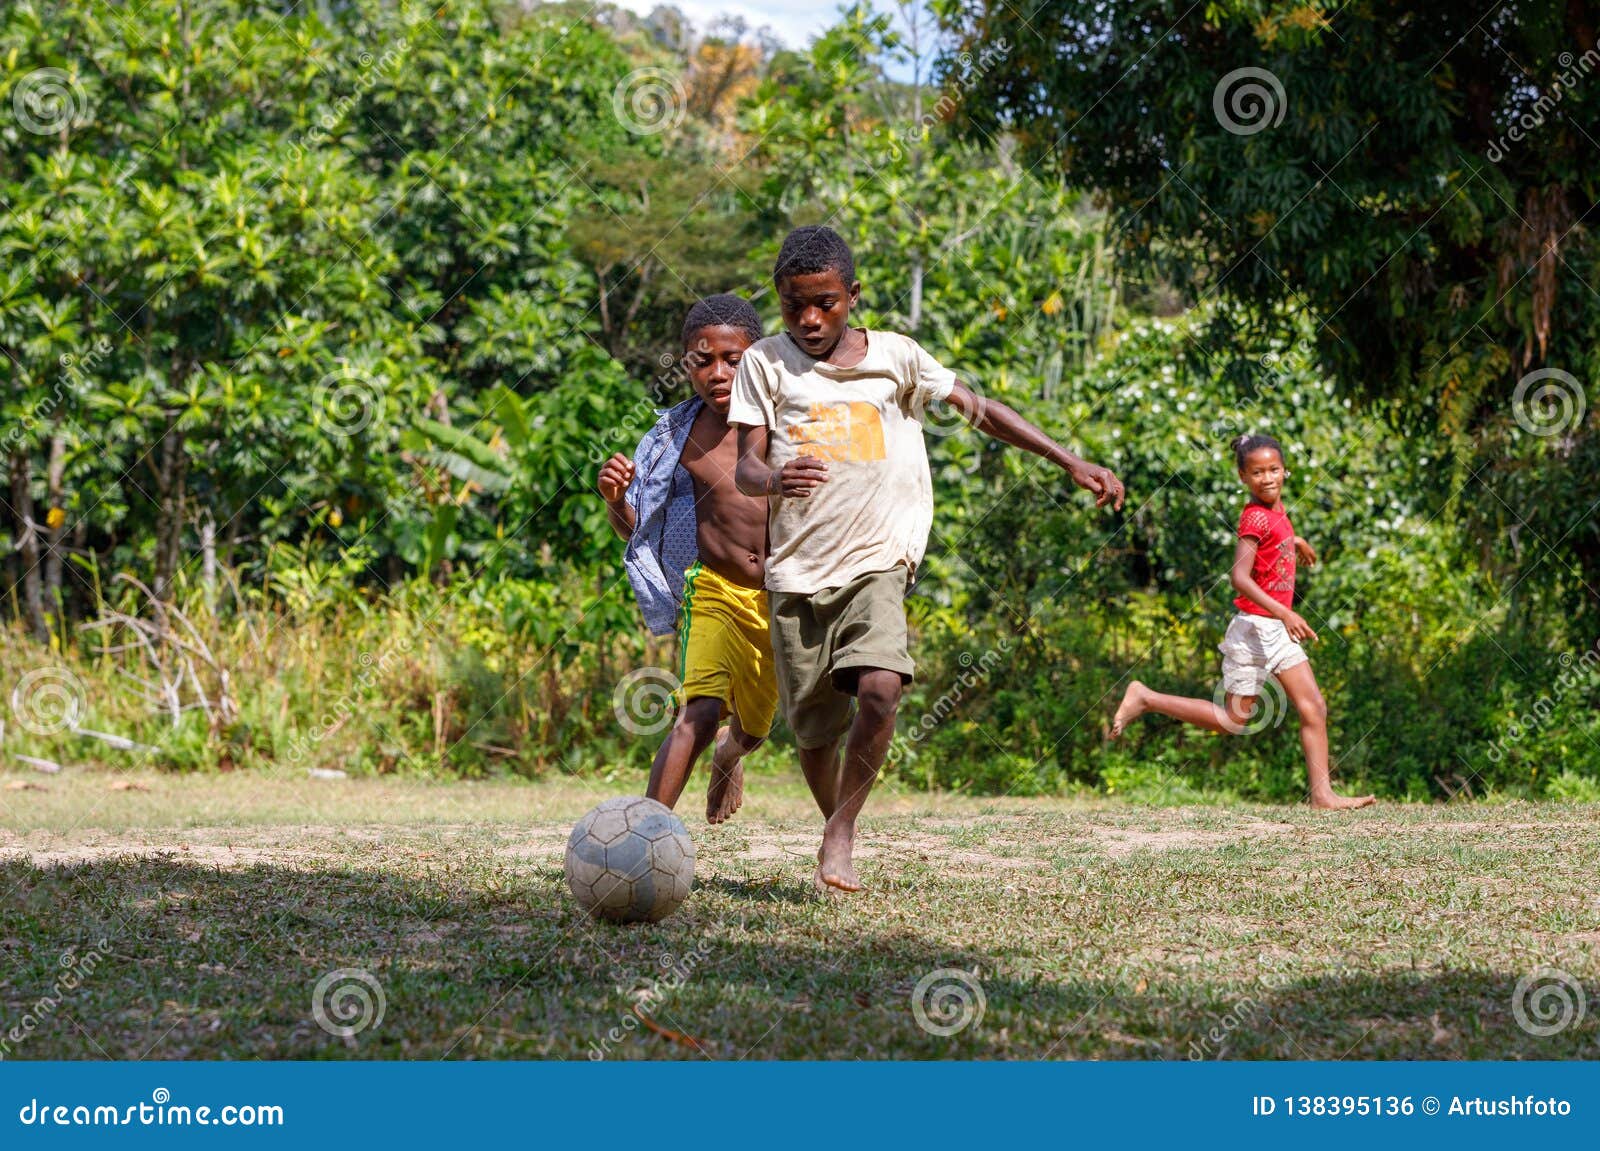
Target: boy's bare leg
{"type": "Point", "coordinates": [693, 730]}
{"type": "Point", "coordinates": [725, 792]}
{"type": "Point", "coordinates": [877, 699]}
{"type": "Point", "coordinates": [1138, 699]}
{"type": "Point", "coordinates": [1301, 686]}
{"type": "Point", "coordinates": [820, 765]}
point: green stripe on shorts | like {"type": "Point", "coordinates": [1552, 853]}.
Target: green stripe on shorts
{"type": "Point", "coordinates": [688, 615]}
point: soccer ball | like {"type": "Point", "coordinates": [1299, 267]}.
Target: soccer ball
{"type": "Point", "coordinates": [630, 860]}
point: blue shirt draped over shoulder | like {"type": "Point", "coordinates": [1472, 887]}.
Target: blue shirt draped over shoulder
{"type": "Point", "coordinates": [664, 541]}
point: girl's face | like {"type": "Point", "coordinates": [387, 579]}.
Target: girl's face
{"type": "Point", "coordinates": [1263, 474]}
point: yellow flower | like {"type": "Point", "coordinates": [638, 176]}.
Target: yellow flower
{"type": "Point", "coordinates": [1053, 305]}
{"type": "Point", "coordinates": [335, 518]}
{"type": "Point", "coordinates": [55, 518]}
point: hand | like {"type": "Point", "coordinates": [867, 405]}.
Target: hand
{"type": "Point", "coordinates": [798, 477]}
{"type": "Point", "coordinates": [1094, 478]}
{"type": "Point", "coordinates": [1299, 629]}
{"type": "Point", "coordinates": [615, 476]}
{"type": "Point", "coordinates": [1305, 553]}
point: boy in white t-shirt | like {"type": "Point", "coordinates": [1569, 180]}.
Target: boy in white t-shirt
{"type": "Point", "coordinates": [829, 420]}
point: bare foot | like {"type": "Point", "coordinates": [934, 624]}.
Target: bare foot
{"type": "Point", "coordinates": [835, 867]}
{"type": "Point", "coordinates": [725, 792]}
{"type": "Point", "coordinates": [1331, 802]}
{"type": "Point", "coordinates": [1130, 709]}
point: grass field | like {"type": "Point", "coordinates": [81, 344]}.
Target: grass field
{"type": "Point", "coordinates": [1094, 930]}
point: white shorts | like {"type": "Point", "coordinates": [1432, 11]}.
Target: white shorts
{"type": "Point", "coordinates": [1255, 647]}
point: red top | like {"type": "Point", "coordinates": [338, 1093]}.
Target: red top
{"type": "Point", "coordinates": [1274, 566]}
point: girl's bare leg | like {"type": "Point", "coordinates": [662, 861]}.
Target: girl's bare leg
{"type": "Point", "coordinates": [1301, 686]}
{"type": "Point", "coordinates": [1228, 720]}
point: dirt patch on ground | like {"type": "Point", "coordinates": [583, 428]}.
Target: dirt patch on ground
{"type": "Point", "coordinates": [1118, 842]}
{"type": "Point", "coordinates": [211, 847]}
{"type": "Point", "coordinates": [954, 843]}
{"type": "Point", "coordinates": [751, 845]}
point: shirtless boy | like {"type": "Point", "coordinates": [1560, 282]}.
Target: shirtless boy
{"type": "Point", "coordinates": [696, 555]}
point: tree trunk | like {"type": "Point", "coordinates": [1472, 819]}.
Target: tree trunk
{"type": "Point", "coordinates": [26, 537]}
{"type": "Point", "coordinates": [208, 559]}
{"type": "Point", "coordinates": [633, 308]}
{"type": "Point", "coordinates": [55, 528]}
{"type": "Point", "coordinates": [915, 316]}
{"type": "Point", "coordinates": [918, 262]}
{"type": "Point", "coordinates": [605, 310]}
{"type": "Point", "coordinates": [169, 526]}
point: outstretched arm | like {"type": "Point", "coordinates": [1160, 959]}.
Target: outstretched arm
{"type": "Point", "coordinates": [753, 477]}
{"type": "Point", "coordinates": [993, 418]}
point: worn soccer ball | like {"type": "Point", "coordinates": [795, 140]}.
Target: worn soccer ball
{"type": "Point", "coordinates": [630, 860]}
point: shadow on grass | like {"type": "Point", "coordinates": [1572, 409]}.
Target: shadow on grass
{"type": "Point", "coordinates": [210, 962]}
{"type": "Point", "coordinates": [757, 890]}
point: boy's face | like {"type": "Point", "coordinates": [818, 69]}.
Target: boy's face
{"type": "Point", "coordinates": [712, 358]}
{"type": "Point", "coordinates": [1263, 474]}
{"type": "Point", "coordinates": [816, 309]}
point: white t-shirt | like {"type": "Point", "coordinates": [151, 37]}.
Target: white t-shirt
{"type": "Point", "coordinates": [865, 423]}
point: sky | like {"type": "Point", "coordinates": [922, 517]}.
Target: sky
{"type": "Point", "coordinates": [794, 22]}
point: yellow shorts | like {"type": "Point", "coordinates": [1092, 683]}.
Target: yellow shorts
{"type": "Point", "coordinates": [725, 650]}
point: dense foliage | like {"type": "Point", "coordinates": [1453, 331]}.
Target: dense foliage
{"type": "Point", "coordinates": [1417, 179]}
{"type": "Point", "coordinates": [317, 323]}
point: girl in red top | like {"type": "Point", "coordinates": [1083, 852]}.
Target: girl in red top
{"type": "Point", "coordinates": [1263, 641]}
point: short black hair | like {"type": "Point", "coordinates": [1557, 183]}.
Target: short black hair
{"type": "Point", "coordinates": [1252, 441]}
{"type": "Point", "coordinates": [722, 311]}
{"type": "Point", "coordinates": [815, 248]}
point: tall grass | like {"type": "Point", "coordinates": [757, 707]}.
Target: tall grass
{"type": "Point", "coordinates": [527, 678]}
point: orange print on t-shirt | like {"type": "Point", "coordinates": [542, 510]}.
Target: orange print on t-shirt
{"type": "Point", "coordinates": [849, 431]}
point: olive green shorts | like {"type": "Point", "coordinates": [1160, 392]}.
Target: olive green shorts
{"type": "Point", "coordinates": [823, 641]}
